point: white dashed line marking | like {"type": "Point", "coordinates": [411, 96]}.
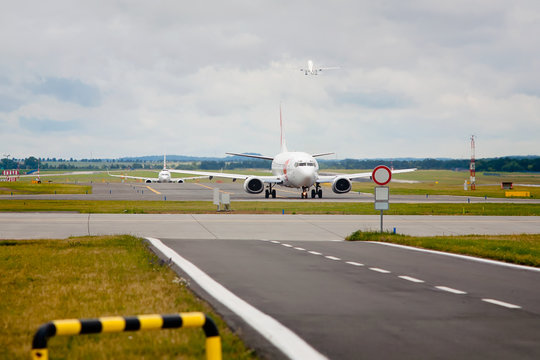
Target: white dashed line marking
{"type": "Point", "coordinates": [453, 291]}
{"type": "Point", "coordinates": [404, 277]}
{"type": "Point", "coordinates": [502, 303]}
{"type": "Point", "coordinates": [380, 270]}
{"type": "Point", "coordinates": [408, 278]}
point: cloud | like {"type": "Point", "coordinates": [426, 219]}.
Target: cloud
{"type": "Point", "coordinates": [380, 100]}
{"type": "Point", "coordinates": [37, 125]}
{"type": "Point", "coordinates": [417, 77]}
{"type": "Point", "coordinates": [69, 90]}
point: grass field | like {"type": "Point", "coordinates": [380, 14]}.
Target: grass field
{"type": "Point", "coordinates": [90, 277]}
{"type": "Point", "coordinates": [445, 182]}
{"type": "Point", "coordinates": [431, 182]}
{"type": "Point", "coordinates": [518, 249]}
{"type": "Point", "coordinates": [266, 207]}
{"type": "Point", "coordinates": [26, 188]}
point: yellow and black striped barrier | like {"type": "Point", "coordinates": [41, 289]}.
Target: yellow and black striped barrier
{"type": "Point", "coordinates": [131, 323]}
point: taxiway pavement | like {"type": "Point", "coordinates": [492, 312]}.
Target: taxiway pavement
{"type": "Point", "coordinates": [203, 191]}
{"type": "Point", "coordinates": [250, 227]}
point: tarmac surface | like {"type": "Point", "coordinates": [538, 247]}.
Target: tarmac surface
{"type": "Point", "coordinates": [348, 300]}
{"type": "Point", "coordinates": [353, 300]}
{"type": "Point", "coordinates": [204, 191]}
{"type": "Point", "coordinates": [251, 227]}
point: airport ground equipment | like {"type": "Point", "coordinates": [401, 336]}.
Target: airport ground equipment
{"type": "Point", "coordinates": [132, 323]}
{"type": "Point", "coordinates": [222, 200]}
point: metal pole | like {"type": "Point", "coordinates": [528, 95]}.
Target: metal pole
{"type": "Point", "coordinates": [381, 221]}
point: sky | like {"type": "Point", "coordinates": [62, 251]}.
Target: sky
{"type": "Point", "coordinates": [107, 79]}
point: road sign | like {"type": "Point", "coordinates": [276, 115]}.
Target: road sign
{"type": "Point", "coordinates": [381, 175]}
{"type": "Point", "coordinates": [382, 197]}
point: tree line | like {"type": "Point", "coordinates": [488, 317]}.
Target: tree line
{"type": "Point", "coordinates": [504, 164]}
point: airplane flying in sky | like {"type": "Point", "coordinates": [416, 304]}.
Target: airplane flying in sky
{"type": "Point", "coordinates": [291, 169]}
{"type": "Point", "coordinates": [312, 70]}
{"type": "Point", "coordinates": [164, 176]}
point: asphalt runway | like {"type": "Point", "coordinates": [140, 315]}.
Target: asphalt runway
{"type": "Point", "coordinates": [347, 300]}
{"type": "Point", "coordinates": [204, 191]}
{"type": "Point", "coordinates": [366, 300]}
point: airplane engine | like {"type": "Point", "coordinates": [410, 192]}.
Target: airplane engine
{"type": "Point", "coordinates": [180, 181]}
{"type": "Point", "coordinates": [341, 185]}
{"type": "Point", "coordinates": [253, 185]}
{"type": "Point", "coordinates": [148, 181]}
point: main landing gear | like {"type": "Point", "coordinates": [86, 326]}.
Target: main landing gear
{"type": "Point", "coordinates": [269, 192]}
{"type": "Point", "coordinates": [314, 192]}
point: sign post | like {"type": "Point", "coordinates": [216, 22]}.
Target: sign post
{"type": "Point", "coordinates": [381, 176]}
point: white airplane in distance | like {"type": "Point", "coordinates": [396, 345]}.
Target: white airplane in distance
{"type": "Point", "coordinates": [312, 70]}
{"type": "Point", "coordinates": [291, 169]}
{"type": "Point", "coordinates": [164, 176]}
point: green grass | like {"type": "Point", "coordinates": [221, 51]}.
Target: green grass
{"type": "Point", "coordinates": [27, 188]}
{"type": "Point", "coordinates": [265, 207]}
{"type": "Point", "coordinates": [445, 182]}
{"type": "Point", "coordinates": [89, 277]}
{"type": "Point", "coordinates": [521, 249]}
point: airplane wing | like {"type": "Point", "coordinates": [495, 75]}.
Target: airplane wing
{"type": "Point", "coordinates": [356, 176]}
{"type": "Point", "coordinates": [60, 174]}
{"type": "Point", "coordinates": [252, 156]}
{"type": "Point", "coordinates": [265, 179]}
{"type": "Point", "coordinates": [189, 178]}
{"type": "Point", "coordinates": [329, 68]}
{"type": "Point", "coordinates": [134, 177]}
{"type": "Point", "coordinates": [322, 154]}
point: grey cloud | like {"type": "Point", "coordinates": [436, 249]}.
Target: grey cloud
{"type": "Point", "coordinates": [48, 126]}
{"type": "Point", "coordinates": [9, 104]}
{"type": "Point", "coordinates": [68, 90]}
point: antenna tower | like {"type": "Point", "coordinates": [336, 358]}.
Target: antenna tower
{"type": "Point", "coordinates": [473, 166]}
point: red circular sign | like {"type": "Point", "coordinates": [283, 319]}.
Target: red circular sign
{"type": "Point", "coordinates": [381, 175]}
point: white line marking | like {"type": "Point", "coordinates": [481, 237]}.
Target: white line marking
{"type": "Point", "coordinates": [380, 270]}
{"type": "Point", "coordinates": [453, 291]}
{"type": "Point", "coordinates": [408, 278]}
{"type": "Point", "coordinates": [314, 253]}
{"type": "Point", "coordinates": [471, 258]}
{"type": "Point", "coordinates": [299, 248]}
{"type": "Point", "coordinates": [282, 337]}
{"type": "Point", "coordinates": [332, 258]}
{"type": "Point", "coordinates": [354, 263]}
{"type": "Point", "coordinates": [286, 245]}
{"type": "Point", "coordinates": [274, 242]}
{"type": "Point", "coordinates": [502, 303]}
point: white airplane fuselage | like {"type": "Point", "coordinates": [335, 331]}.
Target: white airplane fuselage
{"type": "Point", "coordinates": [164, 176]}
{"type": "Point", "coordinates": [298, 169]}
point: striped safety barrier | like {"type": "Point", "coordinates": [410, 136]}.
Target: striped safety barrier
{"type": "Point", "coordinates": [131, 323]}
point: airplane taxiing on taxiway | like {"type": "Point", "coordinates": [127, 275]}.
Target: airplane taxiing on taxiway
{"type": "Point", "coordinates": [298, 170]}
{"type": "Point", "coordinates": [164, 176]}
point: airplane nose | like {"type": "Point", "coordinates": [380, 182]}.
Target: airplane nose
{"type": "Point", "coordinates": [308, 177]}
